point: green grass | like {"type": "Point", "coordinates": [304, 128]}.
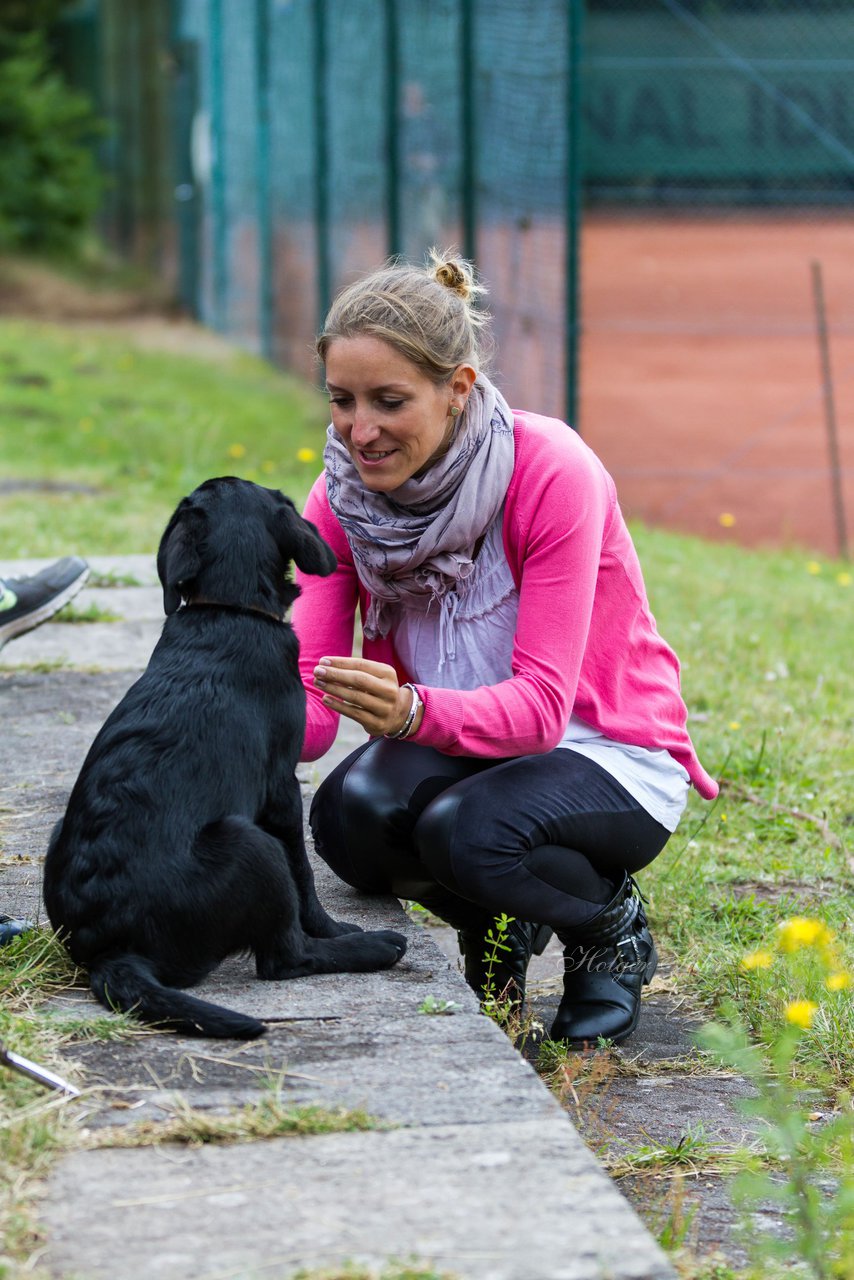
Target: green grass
{"type": "Point", "coordinates": [764, 639]}
{"type": "Point", "coordinates": [130, 432]}
{"type": "Point", "coordinates": [72, 613]}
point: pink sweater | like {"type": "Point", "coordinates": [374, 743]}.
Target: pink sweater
{"type": "Point", "coordinates": [585, 639]}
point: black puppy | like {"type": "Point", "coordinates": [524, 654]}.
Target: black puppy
{"type": "Point", "coordinates": [183, 839]}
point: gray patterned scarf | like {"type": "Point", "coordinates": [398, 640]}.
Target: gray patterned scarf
{"type": "Point", "coordinates": [419, 540]}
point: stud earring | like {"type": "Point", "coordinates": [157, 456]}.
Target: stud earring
{"type": "Point", "coordinates": [455, 409]}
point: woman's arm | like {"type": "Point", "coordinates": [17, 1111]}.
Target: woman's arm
{"type": "Point", "coordinates": [324, 617]}
{"type": "Point", "coordinates": [557, 512]}
{"type": "Point", "coordinates": [555, 518]}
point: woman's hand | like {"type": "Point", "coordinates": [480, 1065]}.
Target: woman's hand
{"type": "Point", "coordinates": [367, 692]}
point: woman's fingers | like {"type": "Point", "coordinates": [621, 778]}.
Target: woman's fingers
{"type": "Point", "coordinates": [367, 692]}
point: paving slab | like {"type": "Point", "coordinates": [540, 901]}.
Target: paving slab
{"type": "Point", "coordinates": [475, 1167]}
{"type": "Point", "coordinates": [519, 1200]}
{"type": "Point", "coordinates": [407, 1071]}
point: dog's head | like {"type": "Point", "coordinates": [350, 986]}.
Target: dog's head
{"type": "Point", "coordinates": [232, 542]}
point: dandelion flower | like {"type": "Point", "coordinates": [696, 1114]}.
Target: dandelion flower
{"type": "Point", "coordinates": [726, 519]}
{"type": "Point", "coordinates": [800, 932]}
{"type": "Point", "coordinates": [757, 960]}
{"type": "Point", "coordinates": [307, 455]}
{"type": "Point", "coordinates": [813, 566]}
{"type": "Point", "coordinates": [839, 981]}
{"type": "Point", "coordinates": [844, 579]}
{"type": "Point", "coordinates": [801, 1012]}
{"type": "Point", "coordinates": [237, 451]}
{"type": "Point", "coordinates": [734, 724]}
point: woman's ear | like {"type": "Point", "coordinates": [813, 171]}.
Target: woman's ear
{"type": "Point", "coordinates": [462, 380]}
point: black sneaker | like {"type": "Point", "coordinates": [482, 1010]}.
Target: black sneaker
{"type": "Point", "coordinates": [27, 602]}
{"type": "Point", "coordinates": [11, 929]}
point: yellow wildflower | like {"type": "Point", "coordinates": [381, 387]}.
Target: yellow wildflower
{"type": "Point", "coordinates": [844, 579]}
{"type": "Point", "coordinates": [268, 467]}
{"type": "Point", "coordinates": [306, 455]}
{"type": "Point", "coordinates": [813, 566]}
{"type": "Point", "coordinates": [801, 932]}
{"type": "Point", "coordinates": [757, 960]}
{"type": "Point", "coordinates": [838, 981]}
{"type": "Point", "coordinates": [801, 1012]}
{"type": "Point", "coordinates": [726, 519]}
{"type": "Point", "coordinates": [237, 451]}
{"type": "Point", "coordinates": [734, 724]}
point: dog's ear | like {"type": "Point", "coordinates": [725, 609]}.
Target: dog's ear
{"type": "Point", "coordinates": [178, 558]}
{"type": "Point", "coordinates": [299, 540]}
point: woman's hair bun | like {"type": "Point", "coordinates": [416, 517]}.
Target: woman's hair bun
{"type": "Point", "coordinates": [455, 274]}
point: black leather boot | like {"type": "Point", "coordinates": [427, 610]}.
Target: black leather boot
{"type": "Point", "coordinates": [496, 971]}
{"type": "Point", "coordinates": [606, 963]}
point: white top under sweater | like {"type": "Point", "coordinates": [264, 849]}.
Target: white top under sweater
{"type": "Point", "coordinates": [467, 642]}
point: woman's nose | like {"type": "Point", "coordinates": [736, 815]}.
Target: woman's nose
{"type": "Point", "coordinates": [363, 430]}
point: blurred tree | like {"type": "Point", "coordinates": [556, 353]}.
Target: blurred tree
{"type": "Point", "coordinates": [50, 185]}
{"type": "Point", "coordinates": [30, 15]}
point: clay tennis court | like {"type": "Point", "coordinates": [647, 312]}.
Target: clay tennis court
{"type": "Point", "coordinates": [700, 373]}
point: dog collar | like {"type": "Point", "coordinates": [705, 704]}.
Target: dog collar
{"type": "Point", "coordinates": [232, 608]}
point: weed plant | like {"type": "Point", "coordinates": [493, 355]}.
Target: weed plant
{"type": "Point", "coordinates": [811, 1152]}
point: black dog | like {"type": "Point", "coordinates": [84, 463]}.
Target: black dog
{"type": "Point", "coordinates": [183, 839]}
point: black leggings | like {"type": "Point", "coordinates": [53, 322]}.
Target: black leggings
{"type": "Point", "coordinates": [545, 838]}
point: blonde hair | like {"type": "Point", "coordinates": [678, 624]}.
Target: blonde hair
{"type": "Point", "coordinates": [426, 313]}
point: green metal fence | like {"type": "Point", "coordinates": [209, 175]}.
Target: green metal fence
{"type": "Point", "coordinates": [265, 151]}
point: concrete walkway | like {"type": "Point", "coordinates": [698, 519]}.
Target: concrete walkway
{"type": "Point", "coordinates": [473, 1168]}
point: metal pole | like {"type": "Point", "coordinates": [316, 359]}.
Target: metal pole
{"type": "Point", "coordinates": [573, 207]}
{"type": "Point", "coordinates": [187, 192]}
{"type": "Point", "coordinates": [262, 166]}
{"type": "Point", "coordinates": [321, 163]}
{"type": "Point", "coordinates": [218, 207]}
{"type": "Point", "coordinates": [468, 110]}
{"type": "Point", "coordinates": [830, 412]}
{"type": "Point", "coordinates": [392, 124]}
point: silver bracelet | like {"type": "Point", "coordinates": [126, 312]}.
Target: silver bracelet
{"type": "Point", "coordinates": [406, 728]}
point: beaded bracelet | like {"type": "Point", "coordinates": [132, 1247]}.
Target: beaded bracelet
{"type": "Point", "coordinates": [406, 728]}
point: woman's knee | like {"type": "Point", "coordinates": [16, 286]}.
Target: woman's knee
{"type": "Point", "coordinates": [459, 853]}
{"type": "Point", "coordinates": [351, 815]}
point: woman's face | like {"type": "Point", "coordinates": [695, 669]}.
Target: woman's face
{"type": "Point", "coordinates": [392, 419]}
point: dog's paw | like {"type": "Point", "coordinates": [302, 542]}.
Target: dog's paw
{"type": "Point", "coordinates": [393, 939]}
{"type": "Point", "coordinates": [362, 952]}
{"type": "Point", "coordinates": [340, 927]}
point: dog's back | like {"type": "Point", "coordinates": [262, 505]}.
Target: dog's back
{"type": "Point", "coordinates": [205, 732]}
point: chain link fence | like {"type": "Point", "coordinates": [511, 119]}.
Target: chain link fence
{"type": "Point", "coordinates": [263, 152]}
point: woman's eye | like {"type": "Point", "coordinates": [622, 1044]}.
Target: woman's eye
{"type": "Point", "coordinates": [338, 400]}
{"type": "Point", "coordinates": [391, 404]}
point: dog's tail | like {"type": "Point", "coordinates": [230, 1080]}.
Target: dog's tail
{"type": "Point", "coordinates": [128, 983]}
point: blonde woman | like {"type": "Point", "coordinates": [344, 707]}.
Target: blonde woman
{"type": "Point", "coordinates": [528, 748]}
